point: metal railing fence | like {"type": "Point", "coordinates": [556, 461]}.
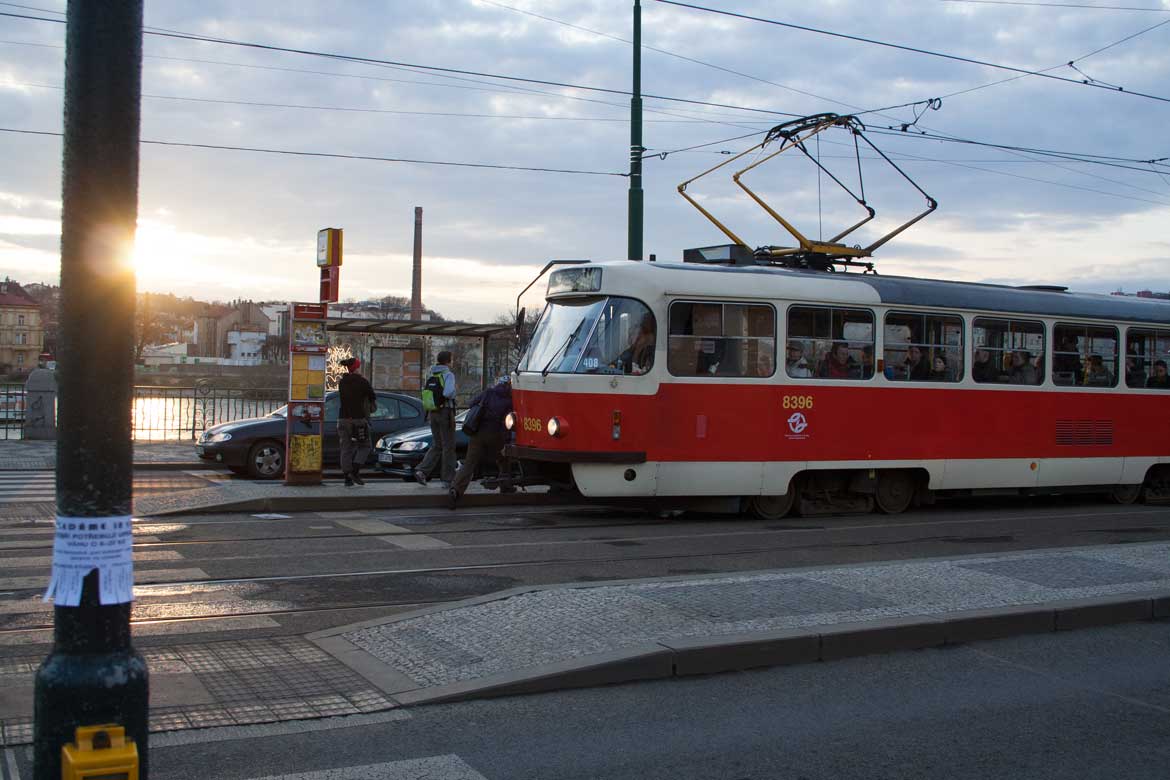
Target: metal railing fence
{"type": "Point", "coordinates": [164, 413]}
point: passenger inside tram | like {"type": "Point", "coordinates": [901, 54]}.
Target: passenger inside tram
{"type": "Point", "coordinates": [1159, 379]}
{"type": "Point", "coordinates": [1097, 374]}
{"type": "Point", "coordinates": [795, 363]}
{"type": "Point", "coordinates": [838, 364]}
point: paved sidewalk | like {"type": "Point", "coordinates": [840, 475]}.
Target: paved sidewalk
{"type": "Point", "coordinates": [22, 455]}
{"type": "Point", "coordinates": [572, 635]}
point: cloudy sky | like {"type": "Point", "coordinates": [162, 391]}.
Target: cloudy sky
{"type": "Point", "coordinates": [223, 224]}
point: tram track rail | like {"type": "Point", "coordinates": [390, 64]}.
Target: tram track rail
{"type": "Point", "coordinates": [145, 589]}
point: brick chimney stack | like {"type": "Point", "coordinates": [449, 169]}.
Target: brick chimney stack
{"type": "Point", "coordinates": [416, 308]}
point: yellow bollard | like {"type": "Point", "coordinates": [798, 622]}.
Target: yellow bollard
{"type": "Point", "coordinates": [100, 753]}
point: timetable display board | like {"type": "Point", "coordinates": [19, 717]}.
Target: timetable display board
{"type": "Point", "coordinates": [304, 424]}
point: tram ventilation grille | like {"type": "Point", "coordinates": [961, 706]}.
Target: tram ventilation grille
{"type": "Point", "coordinates": [1084, 432]}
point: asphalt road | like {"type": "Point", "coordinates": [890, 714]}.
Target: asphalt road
{"type": "Point", "coordinates": [309, 571]}
{"type": "Point", "coordinates": [1086, 704]}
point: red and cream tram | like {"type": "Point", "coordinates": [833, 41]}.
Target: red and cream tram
{"type": "Point", "coordinates": [823, 391]}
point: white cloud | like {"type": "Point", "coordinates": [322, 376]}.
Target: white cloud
{"type": "Point", "coordinates": [234, 224]}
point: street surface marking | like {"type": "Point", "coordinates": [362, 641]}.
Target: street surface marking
{"type": "Point", "coordinates": [35, 636]}
{"type": "Point", "coordinates": [260, 731]}
{"type": "Point", "coordinates": [408, 541]}
{"type": "Point", "coordinates": [140, 578]}
{"type": "Point", "coordinates": [10, 760]}
{"type": "Point", "coordinates": [28, 487]}
{"type": "Point", "coordinates": [47, 560]}
{"type": "Point", "coordinates": [414, 542]}
{"type": "Point", "coordinates": [448, 767]}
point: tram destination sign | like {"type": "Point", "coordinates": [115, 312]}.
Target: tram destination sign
{"type": "Point", "coordinates": [574, 280]}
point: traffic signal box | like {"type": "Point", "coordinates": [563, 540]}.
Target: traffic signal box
{"type": "Point", "coordinates": [308, 353]}
{"type": "Point", "coordinates": [100, 753]}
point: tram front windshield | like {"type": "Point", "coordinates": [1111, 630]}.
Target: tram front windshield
{"type": "Point", "coordinates": [595, 335]}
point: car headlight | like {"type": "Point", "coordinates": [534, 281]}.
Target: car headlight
{"type": "Point", "coordinates": [510, 420]}
{"type": "Point", "coordinates": [412, 446]}
{"type": "Point", "coordinates": [216, 438]}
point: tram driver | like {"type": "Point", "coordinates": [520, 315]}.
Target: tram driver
{"type": "Point", "coordinates": [638, 357]}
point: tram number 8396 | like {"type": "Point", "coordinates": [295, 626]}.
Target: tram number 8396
{"type": "Point", "coordinates": [798, 402]}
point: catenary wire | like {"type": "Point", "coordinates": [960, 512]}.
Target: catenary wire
{"type": "Point", "coordinates": [339, 156]}
{"type": "Point", "coordinates": [506, 89]}
{"type": "Point", "coordinates": [351, 109]}
{"type": "Point", "coordinates": [913, 49]}
{"type": "Point", "coordinates": [1062, 5]}
{"type": "Point", "coordinates": [431, 68]}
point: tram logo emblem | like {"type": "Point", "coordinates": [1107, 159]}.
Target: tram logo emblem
{"type": "Point", "coordinates": [797, 423]}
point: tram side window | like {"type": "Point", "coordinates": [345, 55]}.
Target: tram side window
{"type": "Point", "coordinates": [721, 339]}
{"type": "Point", "coordinates": [1008, 351]}
{"type": "Point", "coordinates": [1147, 354]}
{"type": "Point", "coordinates": [923, 347]}
{"type": "Point", "coordinates": [829, 343]}
{"type": "Point", "coordinates": [1084, 355]}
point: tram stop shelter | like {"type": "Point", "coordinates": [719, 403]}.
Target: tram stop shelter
{"type": "Point", "coordinates": [395, 353]}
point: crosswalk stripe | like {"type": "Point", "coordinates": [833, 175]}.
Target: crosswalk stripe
{"type": "Point", "coordinates": [140, 578]}
{"type": "Point", "coordinates": [160, 628]}
{"type": "Point", "coordinates": [448, 767]}
{"type": "Point", "coordinates": [47, 560]}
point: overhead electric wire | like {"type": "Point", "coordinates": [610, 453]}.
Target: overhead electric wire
{"type": "Point", "coordinates": [339, 156]}
{"type": "Point", "coordinates": [506, 89]}
{"type": "Point", "coordinates": [913, 49]}
{"type": "Point", "coordinates": [1062, 5]}
{"type": "Point", "coordinates": [352, 109]}
{"type": "Point", "coordinates": [669, 53]}
{"type": "Point", "coordinates": [431, 68]}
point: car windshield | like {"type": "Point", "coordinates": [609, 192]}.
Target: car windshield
{"type": "Point", "coordinates": [593, 336]}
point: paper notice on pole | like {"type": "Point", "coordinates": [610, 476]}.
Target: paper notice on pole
{"type": "Point", "coordinates": [317, 363]}
{"type": "Point", "coordinates": [83, 544]}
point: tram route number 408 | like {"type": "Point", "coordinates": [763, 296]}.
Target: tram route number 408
{"type": "Point", "coordinates": [797, 402]}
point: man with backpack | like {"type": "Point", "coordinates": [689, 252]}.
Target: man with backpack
{"type": "Point", "coordinates": [438, 397]}
{"type": "Point", "coordinates": [487, 440]}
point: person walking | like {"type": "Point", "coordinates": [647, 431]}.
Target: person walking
{"type": "Point", "coordinates": [353, 420]}
{"type": "Point", "coordinates": [439, 401]}
{"type": "Point", "coordinates": [488, 439]}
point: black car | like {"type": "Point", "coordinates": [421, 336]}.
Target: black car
{"type": "Point", "coordinates": [256, 446]}
{"type": "Point", "coordinates": [400, 453]}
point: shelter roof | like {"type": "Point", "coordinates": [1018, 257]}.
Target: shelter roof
{"type": "Point", "coordinates": [415, 327]}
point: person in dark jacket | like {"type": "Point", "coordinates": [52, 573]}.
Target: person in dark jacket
{"type": "Point", "coordinates": [488, 441]}
{"type": "Point", "coordinates": [353, 420]}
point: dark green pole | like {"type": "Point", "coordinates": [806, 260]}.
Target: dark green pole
{"type": "Point", "coordinates": [93, 675]}
{"type": "Point", "coordinates": [636, 148]}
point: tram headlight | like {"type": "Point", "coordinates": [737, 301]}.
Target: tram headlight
{"type": "Point", "coordinates": [510, 421]}
{"type": "Point", "coordinates": [557, 428]}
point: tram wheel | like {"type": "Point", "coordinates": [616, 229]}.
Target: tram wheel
{"type": "Point", "coordinates": [895, 491]}
{"type": "Point", "coordinates": [1125, 494]}
{"type": "Point", "coordinates": [772, 507]}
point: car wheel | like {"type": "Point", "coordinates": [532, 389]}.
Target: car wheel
{"type": "Point", "coordinates": [266, 460]}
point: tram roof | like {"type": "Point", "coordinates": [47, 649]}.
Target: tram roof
{"type": "Point", "coordinates": [912, 291]}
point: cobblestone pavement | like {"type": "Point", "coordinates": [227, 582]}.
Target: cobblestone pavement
{"type": "Point", "coordinates": [21, 455]}
{"type": "Point", "coordinates": [224, 684]}
{"type": "Point", "coordinates": [559, 624]}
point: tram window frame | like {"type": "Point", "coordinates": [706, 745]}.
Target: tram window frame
{"type": "Point", "coordinates": [835, 336]}
{"type": "Point", "coordinates": [1091, 334]}
{"type": "Point", "coordinates": [680, 352]}
{"type": "Point", "coordinates": [1148, 358]}
{"type": "Point", "coordinates": [932, 346]}
{"type": "Point", "coordinates": [1004, 374]}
